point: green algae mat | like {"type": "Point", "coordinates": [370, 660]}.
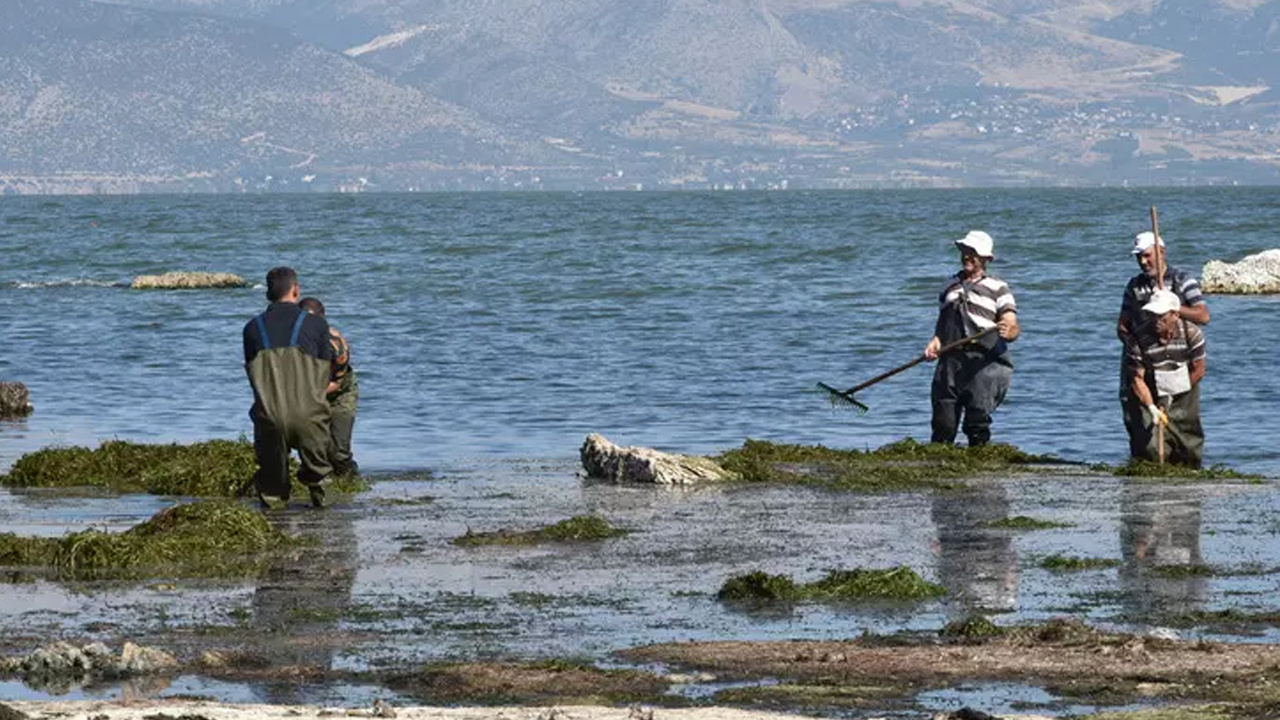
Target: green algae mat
{"type": "Point", "coordinates": [579, 528]}
{"type": "Point", "coordinates": [208, 538]}
{"type": "Point", "coordinates": [912, 465]}
{"type": "Point", "coordinates": [903, 465]}
{"type": "Point", "coordinates": [900, 584]}
{"type": "Point", "coordinates": [214, 468]}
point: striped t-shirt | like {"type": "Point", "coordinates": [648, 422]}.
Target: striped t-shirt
{"type": "Point", "coordinates": [982, 301]}
{"type": "Point", "coordinates": [1141, 286]}
{"type": "Point", "coordinates": [1146, 350]}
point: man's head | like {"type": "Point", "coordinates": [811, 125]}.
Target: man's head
{"type": "Point", "coordinates": [312, 305]}
{"type": "Point", "coordinates": [282, 285]}
{"type": "Point", "coordinates": [976, 250]}
{"type": "Point", "coordinates": [1163, 309]}
{"type": "Point", "coordinates": [1144, 249]}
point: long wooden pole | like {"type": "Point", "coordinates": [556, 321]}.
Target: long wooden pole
{"type": "Point", "coordinates": [1159, 258]}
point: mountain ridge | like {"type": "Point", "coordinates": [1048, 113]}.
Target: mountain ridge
{"type": "Point", "coordinates": [606, 94]}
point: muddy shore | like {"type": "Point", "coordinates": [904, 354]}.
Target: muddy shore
{"type": "Point", "coordinates": [389, 606]}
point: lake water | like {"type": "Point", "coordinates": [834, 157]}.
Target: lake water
{"type": "Point", "coordinates": [511, 325]}
{"type": "Point", "coordinates": [493, 332]}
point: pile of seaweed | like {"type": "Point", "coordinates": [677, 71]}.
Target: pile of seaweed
{"type": "Point", "coordinates": [893, 584]}
{"type": "Point", "coordinates": [207, 538]}
{"type": "Point", "coordinates": [903, 465]}
{"type": "Point", "coordinates": [214, 468]}
{"type": "Point", "coordinates": [577, 528]}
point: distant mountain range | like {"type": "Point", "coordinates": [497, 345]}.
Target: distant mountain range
{"type": "Point", "coordinates": [223, 95]}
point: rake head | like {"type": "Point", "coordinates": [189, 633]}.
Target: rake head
{"type": "Point", "coordinates": [843, 398]}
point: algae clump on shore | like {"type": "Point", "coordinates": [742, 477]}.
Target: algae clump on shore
{"type": "Point", "coordinates": [208, 538]}
{"type": "Point", "coordinates": [1068, 563]}
{"type": "Point", "coordinates": [213, 468]}
{"type": "Point", "coordinates": [900, 583]}
{"type": "Point", "coordinates": [577, 528]}
{"type": "Point", "coordinates": [903, 465]}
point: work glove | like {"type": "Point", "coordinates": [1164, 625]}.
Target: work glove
{"type": "Point", "coordinates": [1158, 416]}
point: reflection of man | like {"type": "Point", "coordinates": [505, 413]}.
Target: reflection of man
{"type": "Point", "coordinates": [300, 600]}
{"type": "Point", "coordinates": [1160, 527]}
{"type": "Point", "coordinates": [343, 394]}
{"type": "Point", "coordinates": [976, 562]}
{"type": "Point", "coordinates": [286, 356]}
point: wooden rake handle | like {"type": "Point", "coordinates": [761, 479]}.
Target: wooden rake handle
{"type": "Point", "coordinates": [941, 351]}
{"type": "Point", "coordinates": [1160, 259]}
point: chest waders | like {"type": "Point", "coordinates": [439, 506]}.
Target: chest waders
{"type": "Point", "coordinates": [1183, 436]}
{"type": "Point", "coordinates": [969, 382]}
{"type": "Point", "coordinates": [289, 411]}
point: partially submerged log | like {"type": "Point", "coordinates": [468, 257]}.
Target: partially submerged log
{"type": "Point", "coordinates": [15, 400]}
{"type": "Point", "coordinates": [187, 280]}
{"type": "Point", "coordinates": [1253, 275]}
{"type": "Point", "coordinates": [605, 460]}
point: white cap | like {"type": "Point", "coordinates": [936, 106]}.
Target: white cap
{"type": "Point", "coordinates": [1162, 301]}
{"type": "Point", "coordinates": [978, 241]}
{"type": "Point", "coordinates": [1143, 241]}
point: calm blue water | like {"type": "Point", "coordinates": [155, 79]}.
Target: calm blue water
{"type": "Point", "coordinates": [513, 325]}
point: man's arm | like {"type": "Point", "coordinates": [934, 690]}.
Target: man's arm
{"type": "Point", "coordinates": [1140, 389]}
{"type": "Point", "coordinates": [1198, 313]}
{"type": "Point", "coordinates": [1197, 370]}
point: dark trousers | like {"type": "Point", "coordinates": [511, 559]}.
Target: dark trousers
{"type": "Point", "coordinates": [1183, 437]}
{"type": "Point", "coordinates": [969, 386]}
{"type": "Point", "coordinates": [342, 421]}
{"type": "Point", "coordinates": [271, 446]}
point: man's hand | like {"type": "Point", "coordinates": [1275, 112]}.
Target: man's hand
{"type": "Point", "coordinates": [1158, 416]}
{"type": "Point", "coordinates": [1007, 327]}
{"type": "Point", "coordinates": [931, 350]}
{"type": "Point", "coordinates": [332, 388]}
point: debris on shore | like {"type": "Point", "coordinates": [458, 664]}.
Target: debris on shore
{"type": "Point", "coordinates": [604, 460]}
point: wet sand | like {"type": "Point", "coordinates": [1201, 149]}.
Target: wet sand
{"type": "Point", "coordinates": [386, 592]}
{"type": "Point", "coordinates": [142, 710]}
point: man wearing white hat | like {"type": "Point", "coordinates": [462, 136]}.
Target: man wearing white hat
{"type": "Point", "coordinates": [1139, 290]}
{"type": "Point", "coordinates": [1167, 357]}
{"type": "Point", "coordinates": [972, 380]}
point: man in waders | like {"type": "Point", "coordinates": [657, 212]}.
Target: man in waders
{"type": "Point", "coordinates": [972, 380]}
{"type": "Point", "coordinates": [343, 394]}
{"type": "Point", "coordinates": [286, 356]}
{"type": "Point", "coordinates": [1136, 294]}
{"type": "Point", "coordinates": [1167, 355]}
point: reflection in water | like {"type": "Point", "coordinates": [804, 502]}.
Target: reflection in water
{"type": "Point", "coordinates": [976, 562]}
{"type": "Point", "coordinates": [1159, 528]}
{"type": "Point", "coordinates": [302, 595]}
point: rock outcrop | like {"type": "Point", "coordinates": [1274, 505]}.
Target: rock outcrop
{"type": "Point", "coordinates": [15, 400]}
{"type": "Point", "coordinates": [187, 280]}
{"type": "Point", "coordinates": [1254, 275]}
{"type": "Point", "coordinates": [63, 664]}
{"type": "Point", "coordinates": [605, 460]}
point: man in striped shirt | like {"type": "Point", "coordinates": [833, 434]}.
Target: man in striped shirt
{"type": "Point", "coordinates": [1167, 357]}
{"type": "Point", "coordinates": [971, 381]}
{"type": "Point", "coordinates": [1136, 294]}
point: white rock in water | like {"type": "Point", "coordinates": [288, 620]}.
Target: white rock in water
{"type": "Point", "coordinates": [1254, 275]}
{"type": "Point", "coordinates": [186, 280]}
{"type": "Point", "coordinates": [603, 459]}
